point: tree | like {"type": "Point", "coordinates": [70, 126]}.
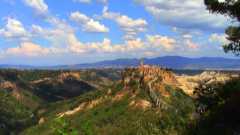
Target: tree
{"type": "Point", "coordinates": [229, 8]}
{"type": "Point", "coordinates": [62, 127]}
{"type": "Point", "coordinates": [218, 106]}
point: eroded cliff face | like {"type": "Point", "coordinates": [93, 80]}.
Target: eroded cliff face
{"type": "Point", "coordinates": [7, 85]}
{"type": "Point", "coordinates": [189, 83]}
{"type": "Point", "coordinates": [146, 74]}
{"type": "Point", "coordinates": [143, 87]}
{"type": "Point", "coordinates": [152, 80]}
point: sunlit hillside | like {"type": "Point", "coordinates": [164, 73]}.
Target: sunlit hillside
{"type": "Point", "coordinates": [119, 67]}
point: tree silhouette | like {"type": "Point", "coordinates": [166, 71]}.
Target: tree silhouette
{"type": "Point", "coordinates": [229, 8]}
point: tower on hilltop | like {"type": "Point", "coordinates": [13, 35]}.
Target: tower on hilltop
{"type": "Point", "coordinates": [141, 62]}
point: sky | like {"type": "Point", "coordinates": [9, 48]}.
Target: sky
{"type": "Point", "coordinates": [57, 32]}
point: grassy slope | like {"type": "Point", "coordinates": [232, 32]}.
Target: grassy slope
{"type": "Point", "coordinates": [14, 116]}
{"type": "Point", "coordinates": [15, 113]}
{"type": "Point", "coordinates": [110, 117]}
{"type": "Point", "coordinates": [117, 117]}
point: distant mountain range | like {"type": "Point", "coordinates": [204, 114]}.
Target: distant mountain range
{"type": "Point", "coordinates": [173, 62]}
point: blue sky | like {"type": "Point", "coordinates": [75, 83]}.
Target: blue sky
{"type": "Point", "coordinates": [49, 32]}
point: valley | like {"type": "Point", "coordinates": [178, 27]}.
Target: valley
{"type": "Point", "coordinates": [143, 100]}
{"type": "Point", "coordinates": [119, 67]}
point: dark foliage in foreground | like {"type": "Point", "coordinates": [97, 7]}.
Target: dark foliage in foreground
{"type": "Point", "coordinates": [229, 8]}
{"type": "Point", "coordinates": [219, 109]}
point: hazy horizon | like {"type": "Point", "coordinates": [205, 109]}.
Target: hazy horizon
{"type": "Point", "coordinates": [116, 60]}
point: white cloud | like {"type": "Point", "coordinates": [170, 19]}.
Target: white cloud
{"type": "Point", "coordinates": [88, 24]}
{"type": "Point", "coordinates": [62, 38]}
{"type": "Point", "coordinates": [191, 45]}
{"type": "Point", "coordinates": [218, 38]}
{"type": "Point", "coordinates": [36, 29]}
{"type": "Point", "coordinates": [14, 29]}
{"type": "Point", "coordinates": [28, 49]}
{"type": "Point", "coordinates": [161, 41]}
{"type": "Point", "coordinates": [152, 43]}
{"type": "Point", "coordinates": [106, 46]}
{"type": "Point", "coordinates": [64, 41]}
{"type": "Point", "coordinates": [134, 45]}
{"type": "Point", "coordinates": [188, 36]}
{"type": "Point", "coordinates": [191, 14]}
{"type": "Point", "coordinates": [39, 5]}
{"type": "Point", "coordinates": [95, 26]}
{"type": "Point", "coordinates": [131, 27]}
{"type": "Point", "coordinates": [57, 33]}
{"type": "Point", "coordinates": [83, 1]}
{"type": "Point", "coordinates": [74, 45]}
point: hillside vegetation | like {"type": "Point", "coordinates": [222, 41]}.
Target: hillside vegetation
{"type": "Point", "coordinates": [24, 93]}
{"type": "Point", "coordinates": [143, 102]}
{"type": "Point", "coordinates": [146, 100]}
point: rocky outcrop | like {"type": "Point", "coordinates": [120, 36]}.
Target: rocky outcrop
{"type": "Point", "coordinates": [12, 87]}
{"type": "Point", "coordinates": [83, 106]}
{"type": "Point", "coordinates": [41, 120]}
{"type": "Point", "coordinates": [150, 79]}
{"type": "Point", "coordinates": [147, 74]}
{"type": "Point", "coordinates": [143, 104]}
{"type": "Point", "coordinates": [189, 83]}
{"type": "Point", "coordinates": [69, 75]}
{"type": "Point", "coordinates": [7, 85]}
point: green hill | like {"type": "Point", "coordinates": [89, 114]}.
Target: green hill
{"type": "Point", "coordinates": [14, 115]}
{"type": "Point", "coordinates": [124, 108]}
{"type": "Point", "coordinates": [23, 93]}
{"type": "Point", "coordinates": [143, 101]}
